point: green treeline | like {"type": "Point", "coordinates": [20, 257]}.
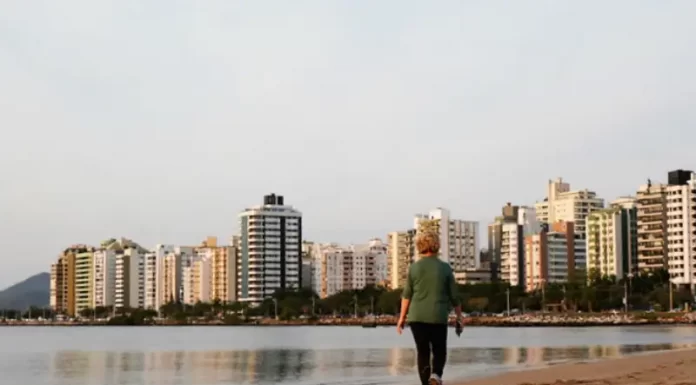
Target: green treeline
{"type": "Point", "coordinates": [602, 293]}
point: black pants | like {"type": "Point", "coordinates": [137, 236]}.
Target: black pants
{"type": "Point", "coordinates": [430, 337]}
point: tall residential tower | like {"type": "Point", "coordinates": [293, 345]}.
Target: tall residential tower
{"type": "Point", "coordinates": [562, 204]}
{"type": "Point", "coordinates": [270, 256]}
{"type": "Point", "coordinates": [458, 239]}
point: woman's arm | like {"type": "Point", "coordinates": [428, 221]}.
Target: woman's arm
{"type": "Point", "coordinates": [405, 303]}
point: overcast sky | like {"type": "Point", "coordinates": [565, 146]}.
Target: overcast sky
{"type": "Point", "coordinates": [161, 120]}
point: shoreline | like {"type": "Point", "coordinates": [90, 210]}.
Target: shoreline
{"type": "Point", "coordinates": [671, 367]}
{"type": "Point", "coordinates": [495, 323]}
{"type": "Point", "coordinates": [522, 321]}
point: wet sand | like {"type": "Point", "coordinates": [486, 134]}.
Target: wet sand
{"type": "Point", "coordinates": [669, 368]}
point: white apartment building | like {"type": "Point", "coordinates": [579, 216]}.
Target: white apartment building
{"type": "Point", "coordinates": [511, 253]}
{"type": "Point", "coordinates": [458, 239]}
{"type": "Point", "coordinates": [270, 256]}
{"type": "Point", "coordinates": [400, 255]}
{"type": "Point", "coordinates": [681, 232]}
{"type": "Point", "coordinates": [381, 268]}
{"type": "Point", "coordinates": [336, 268]}
{"type": "Point", "coordinates": [329, 265]}
{"type": "Point", "coordinates": [117, 272]}
{"type": "Point", "coordinates": [562, 204]}
{"type": "Point", "coordinates": [667, 227]}
{"type": "Point", "coordinates": [104, 277]}
{"type": "Point", "coordinates": [369, 264]}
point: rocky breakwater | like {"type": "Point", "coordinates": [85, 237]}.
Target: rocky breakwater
{"type": "Point", "coordinates": [558, 320]}
{"type": "Point", "coordinates": [331, 321]}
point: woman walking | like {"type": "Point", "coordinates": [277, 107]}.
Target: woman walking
{"type": "Point", "coordinates": [429, 294]}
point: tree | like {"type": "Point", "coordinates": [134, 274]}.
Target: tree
{"type": "Point", "coordinates": [478, 304]}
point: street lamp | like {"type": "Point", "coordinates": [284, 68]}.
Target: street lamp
{"type": "Point", "coordinates": [507, 293]}
{"type": "Point", "coordinates": [543, 294]}
{"type": "Point", "coordinates": [275, 305]}
{"type": "Point", "coordinates": [629, 276]}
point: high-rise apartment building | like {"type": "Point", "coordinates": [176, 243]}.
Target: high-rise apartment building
{"type": "Point", "coordinates": [197, 278]}
{"type": "Point", "coordinates": [553, 256]}
{"type": "Point", "coordinates": [62, 284]}
{"type": "Point", "coordinates": [400, 254]}
{"type": "Point", "coordinates": [612, 240]}
{"type": "Point", "coordinates": [165, 275]}
{"type": "Point", "coordinates": [458, 239]}
{"type": "Point", "coordinates": [330, 264]}
{"type": "Point", "coordinates": [681, 228]}
{"type": "Point", "coordinates": [130, 278]}
{"type": "Point", "coordinates": [562, 204]}
{"type": "Point", "coordinates": [652, 227]}
{"type": "Point", "coordinates": [171, 268]}
{"type": "Point", "coordinates": [84, 279]}
{"type": "Point", "coordinates": [506, 242]}
{"type": "Point", "coordinates": [369, 264]}
{"type": "Point", "coordinates": [336, 268]}
{"type": "Point", "coordinates": [149, 284]}
{"type": "Point", "coordinates": [169, 263]}
{"type": "Point", "coordinates": [223, 270]}
{"type": "Point", "coordinates": [104, 275]}
{"type": "Point", "coordinates": [666, 227]}
{"type": "Point", "coordinates": [270, 260]}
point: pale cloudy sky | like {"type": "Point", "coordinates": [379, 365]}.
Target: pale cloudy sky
{"type": "Point", "coordinates": [161, 120]}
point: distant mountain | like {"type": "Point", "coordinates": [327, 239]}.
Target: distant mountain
{"type": "Point", "coordinates": [33, 291]}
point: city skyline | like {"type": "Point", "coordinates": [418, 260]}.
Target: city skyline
{"type": "Point", "coordinates": [161, 121]}
{"type": "Point", "coordinates": [227, 239]}
{"type": "Point", "coordinates": [568, 237]}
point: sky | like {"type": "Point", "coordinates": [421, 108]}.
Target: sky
{"type": "Point", "coordinates": [160, 120]}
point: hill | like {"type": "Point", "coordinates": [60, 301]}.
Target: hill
{"type": "Point", "coordinates": [33, 291]}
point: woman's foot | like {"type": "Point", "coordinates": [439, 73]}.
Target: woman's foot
{"type": "Point", "coordinates": [435, 380]}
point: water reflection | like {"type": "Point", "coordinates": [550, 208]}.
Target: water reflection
{"type": "Point", "coordinates": [298, 366]}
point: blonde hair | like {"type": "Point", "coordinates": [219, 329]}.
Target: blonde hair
{"type": "Point", "coordinates": [428, 242]}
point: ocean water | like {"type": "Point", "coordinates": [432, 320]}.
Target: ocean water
{"type": "Point", "coordinates": [297, 355]}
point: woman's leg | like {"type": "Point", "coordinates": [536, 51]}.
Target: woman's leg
{"type": "Point", "coordinates": [438, 335]}
{"type": "Point", "coordinates": [421, 334]}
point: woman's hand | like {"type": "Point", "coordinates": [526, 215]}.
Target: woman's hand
{"type": "Point", "coordinates": [400, 325]}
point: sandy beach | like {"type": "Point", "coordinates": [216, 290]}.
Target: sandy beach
{"type": "Point", "coordinates": [669, 368]}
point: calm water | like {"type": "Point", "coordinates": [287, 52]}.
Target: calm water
{"type": "Point", "coordinates": [302, 355]}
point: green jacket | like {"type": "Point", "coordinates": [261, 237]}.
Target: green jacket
{"type": "Point", "coordinates": [432, 290]}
